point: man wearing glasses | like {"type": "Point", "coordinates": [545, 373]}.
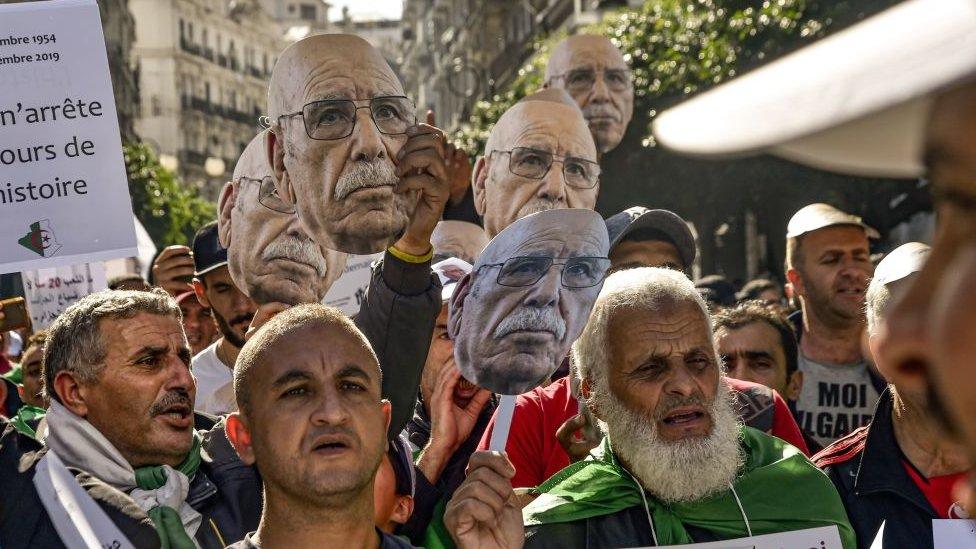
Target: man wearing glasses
{"type": "Point", "coordinates": [270, 257]}
{"type": "Point", "coordinates": [515, 316]}
{"type": "Point", "coordinates": [345, 149]}
{"type": "Point", "coordinates": [594, 72]}
{"type": "Point", "coordinates": [540, 156]}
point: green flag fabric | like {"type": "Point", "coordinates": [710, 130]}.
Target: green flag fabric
{"type": "Point", "coordinates": [780, 490]}
{"type": "Point", "coordinates": [167, 520]}
{"type": "Point", "coordinates": [26, 415]}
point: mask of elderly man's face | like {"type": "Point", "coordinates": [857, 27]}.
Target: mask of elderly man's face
{"type": "Point", "coordinates": [594, 72]}
{"type": "Point", "coordinates": [340, 119]}
{"type": "Point", "coordinates": [269, 256]}
{"type": "Point", "coordinates": [540, 156]}
{"type": "Point", "coordinates": [516, 315]}
{"type": "Point", "coordinates": [459, 239]}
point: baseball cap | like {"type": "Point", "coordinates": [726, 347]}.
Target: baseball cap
{"type": "Point", "coordinates": [450, 271]}
{"type": "Point", "coordinates": [818, 216]}
{"type": "Point", "coordinates": [670, 224]}
{"type": "Point", "coordinates": [856, 102]}
{"type": "Point", "coordinates": [401, 459]}
{"type": "Point", "coordinates": [903, 261]}
{"type": "Point", "coordinates": [208, 254]}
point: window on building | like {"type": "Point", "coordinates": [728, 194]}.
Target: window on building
{"type": "Point", "coordinates": [205, 38]}
{"type": "Point", "coordinates": [206, 91]}
{"type": "Point", "coordinates": [189, 32]}
{"type": "Point", "coordinates": [157, 106]}
{"type": "Point", "coordinates": [182, 30]}
{"type": "Point", "coordinates": [308, 12]}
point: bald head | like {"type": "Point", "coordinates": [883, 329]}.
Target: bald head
{"type": "Point", "coordinates": [595, 74]}
{"type": "Point", "coordinates": [253, 162]}
{"type": "Point", "coordinates": [549, 111]}
{"type": "Point", "coordinates": [299, 332]}
{"type": "Point", "coordinates": [331, 56]}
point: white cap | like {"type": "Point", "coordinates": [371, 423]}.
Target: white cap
{"type": "Point", "coordinates": [820, 216]}
{"type": "Point", "coordinates": [903, 261]}
{"type": "Point", "coordinates": [856, 102]}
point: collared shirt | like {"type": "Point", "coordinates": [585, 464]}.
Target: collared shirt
{"type": "Point", "coordinates": [215, 382]}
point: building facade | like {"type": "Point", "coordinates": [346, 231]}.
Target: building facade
{"type": "Point", "coordinates": [204, 67]}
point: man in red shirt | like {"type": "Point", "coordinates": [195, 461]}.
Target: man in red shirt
{"type": "Point", "coordinates": [900, 469]}
{"type": "Point", "coordinates": [549, 426]}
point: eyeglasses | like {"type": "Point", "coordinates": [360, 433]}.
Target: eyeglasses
{"type": "Point", "coordinates": [577, 272]}
{"type": "Point", "coordinates": [331, 119]}
{"type": "Point", "coordinates": [268, 195]}
{"type": "Point", "coordinates": [535, 164]}
{"type": "Point", "coordinates": [581, 80]}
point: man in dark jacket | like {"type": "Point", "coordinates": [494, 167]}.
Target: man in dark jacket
{"type": "Point", "coordinates": [900, 469]}
{"type": "Point", "coordinates": [447, 424]}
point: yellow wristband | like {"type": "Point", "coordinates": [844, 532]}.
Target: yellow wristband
{"type": "Point", "coordinates": [410, 258]}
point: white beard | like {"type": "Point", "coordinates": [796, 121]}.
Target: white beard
{"type": "Point", "coordinates": [681, 471]}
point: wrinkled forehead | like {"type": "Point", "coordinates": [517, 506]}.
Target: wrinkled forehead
{"type": "Point", "coordinates": [329, 66]}
{"type": "Point", "coordinates": [585, 51]}
{"type": "Point", "coordinates": [253, 162]}
{"type": "Point", "coordinates": [555, 233]}
{"type": "Point", "coordinates": [544, 125]}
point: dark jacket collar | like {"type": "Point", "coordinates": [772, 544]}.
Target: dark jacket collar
{"type": "Point", "coordinates": [881, 468]}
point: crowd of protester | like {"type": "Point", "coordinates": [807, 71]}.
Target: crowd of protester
{"type": "Point", "coordinates": [218, 404]}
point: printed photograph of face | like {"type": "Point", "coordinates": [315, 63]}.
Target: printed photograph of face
{"type": "Point", "coordinates": [339, 118]}
{"type": "Point", "coordinates": [514, 318]}
{"type": "Point", "coordinates": [269, 255]}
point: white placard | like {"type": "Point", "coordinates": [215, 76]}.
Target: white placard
{"type": "Point", "coordinates": [954, 533]}
{"type": "Point", "coordinates": [64, 198]}
{"type": "Point", "coordinates": [827, 537]}
{"type": "Point", "coordinates": [348, 291]}
{"type": "Point", "coordinates": [50, 291]}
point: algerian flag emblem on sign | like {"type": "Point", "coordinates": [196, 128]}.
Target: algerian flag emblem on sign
{"type": "Point", "coordinates": [41, 239]}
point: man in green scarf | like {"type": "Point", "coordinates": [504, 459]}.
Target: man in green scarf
{"type": "Point", "coordinates": [676, 466]}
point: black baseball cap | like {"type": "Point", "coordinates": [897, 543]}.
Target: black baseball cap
{"type": "Point", "coordinates": [208, 254]}
{"type": "Point", "coordinates": [669, 224]}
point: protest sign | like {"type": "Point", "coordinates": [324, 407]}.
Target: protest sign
{"type": "Point", "coordinates": [514, 318]}
{"type": "Point", "coordinates": [827, 537]}
{"type": "Point", "coordinates": [347, 293]}
{"type": "Point", "coordinates": [63, 193]}
{"type": "Point", "coordinates": [50, 291]}
{"type": "Point", "coordinates": [954, 533]}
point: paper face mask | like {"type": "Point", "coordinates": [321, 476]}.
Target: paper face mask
{"type": "Point", "coordinates": [516, 315]}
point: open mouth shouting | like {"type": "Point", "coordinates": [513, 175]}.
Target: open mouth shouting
{"type": "Point", "coordinates": [332, 445]}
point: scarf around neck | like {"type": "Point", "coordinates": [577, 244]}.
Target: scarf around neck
{"type": "Point", "coordinates": [159, 490]}
{"type": "Point", "coordinates": [779, 488]}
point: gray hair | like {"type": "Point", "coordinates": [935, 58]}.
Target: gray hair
{"type": "Point", "coordinates": [875, 301]}
{"type": "Point", "coordinates": [646, 287]}
{"type": "Point", "coordinates": [74, 341]}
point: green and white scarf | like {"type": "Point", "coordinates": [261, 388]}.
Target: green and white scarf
{"type": "Point", "coordinates": [159, 490]}
{"type": "Point", "coordinates": [779, 488]}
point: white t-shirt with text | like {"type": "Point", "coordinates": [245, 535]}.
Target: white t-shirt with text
{"type": "Point", "coordinates": [835, 399]}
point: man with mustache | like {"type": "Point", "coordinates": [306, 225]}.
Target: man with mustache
{"type": "Point", "coordinates": [898, 470]}
{"type": "Point", "coordinates": [269, 256]}
{"type": "Point", "coordinates": [879, 123]}
{"type": "Point", "coordinates": [675, 466]}
{"type": "Point", "coordinates": [313, 421]}
{"type": "Point", "coordinates": [594, 72]}
{"type": "Point", "coordinates": [514, 317]}
{"type": "Point", "coordinates": [232, 309]}
{"type": "Point", "coordinates": [828, 263]}
{"type": "Point", "coordinates": [449, 419]}
{"type": "Point", "coordinates": [539, 156]}
{"type": "Point", "coordinates": [117, 372]}
{"type": "Point", "coordinates": [346, 151]}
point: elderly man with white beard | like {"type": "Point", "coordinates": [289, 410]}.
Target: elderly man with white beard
{"type": "Point", "coordinates": [675, 465]}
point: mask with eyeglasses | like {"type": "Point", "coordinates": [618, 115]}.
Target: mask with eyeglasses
{"type": "Point", "coordinates": [576, 272]}
{"type": "Point", "coordinates": [330, 119]}
{"type": "Point", "coordinates": [268, 194]}
{"type": "Point", "coordinates": [535, 164]}
{"type": "Point", "coordinates": [581, 80]}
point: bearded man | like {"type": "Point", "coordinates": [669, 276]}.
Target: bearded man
{"type": "Point", "coordinates": [675, 465]}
